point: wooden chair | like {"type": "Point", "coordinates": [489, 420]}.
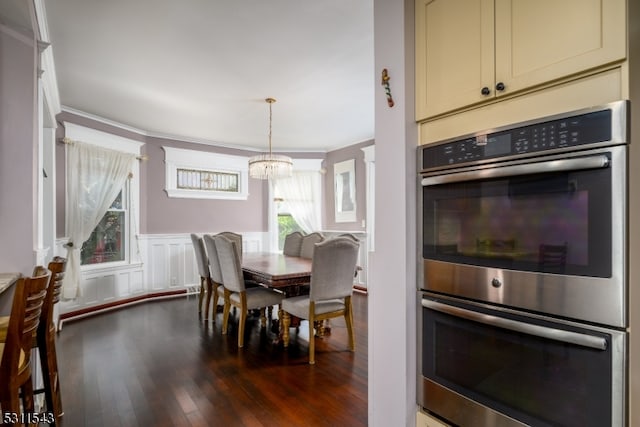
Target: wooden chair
{"type": "Point", "coordinates": [15, 353]}
{"type": "Point", "coordinates": [215, 274]}
{"type": "Point", "coordinates": [46, 340]}
{"type": "Point", "coordinates": [235, 291]}
{"type": "Point", "coordinates": [308, 244]}
{"type": "Point", "coordinates": [203, 270]}
{"type": "Point", "coordinates": [293, 244]}
{"type": "Point", "coordinates": [334, 262]}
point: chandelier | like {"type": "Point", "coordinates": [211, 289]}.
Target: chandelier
{"type": "Point", "coordinates": [268, 166]}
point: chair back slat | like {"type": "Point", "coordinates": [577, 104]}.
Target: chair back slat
{"type": "Point", "coordinates": [332, 269]}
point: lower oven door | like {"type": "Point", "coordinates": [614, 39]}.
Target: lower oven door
{"type": "Point", "coordinates": [483, 367]}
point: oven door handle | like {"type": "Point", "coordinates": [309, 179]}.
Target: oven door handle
{"type": "Point", "coordinates": [559, 165]}
{"type": "Point", "coordinates": [584, 340]}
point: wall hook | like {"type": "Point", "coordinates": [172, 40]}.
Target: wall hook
{"type": "Point", "coordinates": [387, 89]}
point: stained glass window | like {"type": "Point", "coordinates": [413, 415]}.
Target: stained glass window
{"type": "Point", "coordinates": [192, 179]}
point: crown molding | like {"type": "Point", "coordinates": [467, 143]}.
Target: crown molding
{"type": "Point", "coordinates": [179, 138]}
{"type": "Point", "coordinates": [47, 65]}
{"type": "Point", "coordinates": [22, 34]}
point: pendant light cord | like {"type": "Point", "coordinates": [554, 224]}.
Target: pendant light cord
{"type": "Point", "coordinates": [270, 101]}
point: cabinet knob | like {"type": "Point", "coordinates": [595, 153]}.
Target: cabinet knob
{"type": "Point", "coordinates": [485, 91]}
{"type": "Point", "coordinates": [500, 86]}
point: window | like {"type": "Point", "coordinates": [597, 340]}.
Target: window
{"type": "Point", "coordinates": [107, 242]}
{"type": "Point", "coordinates": [286, 225]}
{"type": "Point", "coordinates": [196, 174]}
{"type": "Point", "coordinates": [295, 202]}
{"type": "Point", "coordinates": [189, 179]}
{"type": "Point", "coordinates": [113, 242]}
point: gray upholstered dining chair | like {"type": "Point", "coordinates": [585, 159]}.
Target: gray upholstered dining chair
{"type": "Point", "coordinates": [293, 244]}
{"type": "Point", "coordinates": [203, 270]}
{"type": "Point", "coordinates": [333, 264]}
{"type": "Point", "coordinates": [308, 244]}
{"type": "Point", "coordinates": [234, 237]}
{"type": "Point", "coordinates": [215, 274]}
{"type": "Point", "coordinates": [235, 291]}
{"type": "Point", "coordinates": [349, 235]}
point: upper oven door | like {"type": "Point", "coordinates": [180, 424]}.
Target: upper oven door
{"type": "Point", "coordinates": [546, 235]}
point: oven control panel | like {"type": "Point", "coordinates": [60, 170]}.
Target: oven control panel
{"type": "Point", "coordinates": [588, 128]}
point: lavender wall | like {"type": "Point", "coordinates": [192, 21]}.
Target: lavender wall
{"type": "Point", "coordinates": [337, 156]}
{"type": "Point", "coordinates": [160, 214]}
{"type": "Point", "coordinates": [18, 152]}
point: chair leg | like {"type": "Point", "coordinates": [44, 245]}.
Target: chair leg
{"type": "Point", "coordinates": [11, 403]}
{"type": "Point", "coordinates": [49, 365]}
{"type": "Point", "coordinates": [241, 322]}
{"type": "Point", "coordinates": [263, 317]}
{"type": "Point", "coordinates": [215, 303]}
{"type": "Point", "coordinates": [225, 313]}
{"type": "Point", "coordinates": [312, 340]}
{"type": "Point", "coordinates": [209, 291]}
{"type": "Point", "coordinates": [28, 405]}
{"type": "Point", "coordinates": [201, 295]}
{"type": "Point", "coordinates": [348, 317]}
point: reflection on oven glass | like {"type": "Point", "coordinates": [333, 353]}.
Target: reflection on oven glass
{"type": "Point", "coordinates": [547, 380]}
{"type": "Point", "coordinates": [534, 229]}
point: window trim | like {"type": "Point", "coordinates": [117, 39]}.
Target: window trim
{"type": "Point", "coordinates": [179, 158]}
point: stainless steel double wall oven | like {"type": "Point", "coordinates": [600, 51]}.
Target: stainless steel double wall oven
{"type": "Point", "coordinates": [523, 275]}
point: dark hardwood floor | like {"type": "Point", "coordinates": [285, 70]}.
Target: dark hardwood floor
{"type": "Point", "coordinates": [157, 364]}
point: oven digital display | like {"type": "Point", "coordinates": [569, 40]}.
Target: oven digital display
{"type": "Point", "coordinates": [498, 145]}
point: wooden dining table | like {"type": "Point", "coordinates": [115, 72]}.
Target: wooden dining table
{"type": "Point", "coordinates": [278, 271]}
{"type": "Point", "coordinates": [288, 274]}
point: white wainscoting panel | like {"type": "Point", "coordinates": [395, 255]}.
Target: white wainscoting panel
{"type": "Point", "coordinates": [168, 264]}
{"type": "Point", "coordinates": [363, 258]}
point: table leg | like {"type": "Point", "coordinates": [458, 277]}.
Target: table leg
{"type": "Point", "coordinates": [284, 329]}
{"type": "Point", "coordinates": [319, 327]}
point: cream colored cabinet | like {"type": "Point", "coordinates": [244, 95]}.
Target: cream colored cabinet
{"type": "Point", "coordinates": [426, 420]}
{"type": "Point", "coordinates": [471, 51]}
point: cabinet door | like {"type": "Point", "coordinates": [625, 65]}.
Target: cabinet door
{"type": "Point", "coordinates": [454, 54]}
{"type": "Point", "coordinates": [544, 40]}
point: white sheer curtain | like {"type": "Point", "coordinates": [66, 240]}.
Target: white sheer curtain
{"type": "Point", "coordinates": [95, 176]}
{"type": "Point", "coordinates": [300, 196]}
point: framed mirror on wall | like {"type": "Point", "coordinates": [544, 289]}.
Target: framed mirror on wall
{"type": "Point", "coordinates": [344, 184]}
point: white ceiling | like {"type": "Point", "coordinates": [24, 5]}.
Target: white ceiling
{"type": "Point", "coordinates": [201, 69]}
